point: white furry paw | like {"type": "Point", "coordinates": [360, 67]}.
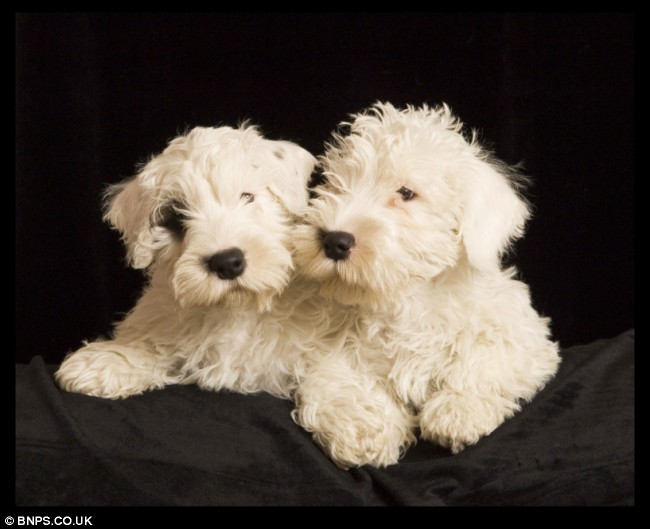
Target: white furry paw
{"type": "Point", "coordinates": [357, 429]}
{"type": "Point", "coordinates": [455, 420]}
{"type": "Point", "coordinates": [352, 437]}
{"type": "Point", "coordinates": [108, 370]}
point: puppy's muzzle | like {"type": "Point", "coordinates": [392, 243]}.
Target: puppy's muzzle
{"type": "Point", "coordinates": [337, 244]}
{"type": "Point", "coordinates": [228, 264]}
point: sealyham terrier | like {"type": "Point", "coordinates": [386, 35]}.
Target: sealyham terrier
{"type": "Point", "coordinates": [415, 325]}
{"type": "Point", "coordinates": [209, 220]}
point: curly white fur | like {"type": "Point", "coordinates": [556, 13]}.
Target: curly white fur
{"type": "Point", "coordinates": [418, 323]}
{"type": "Point", "coordinates": [212, 191]}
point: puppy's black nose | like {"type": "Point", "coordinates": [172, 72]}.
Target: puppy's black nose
{"type": "Point", "coordinates": [337, 244]}
{"type": "Point", "coordinates": [228, 264]}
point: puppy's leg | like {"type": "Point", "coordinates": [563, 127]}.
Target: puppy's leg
{"type": "Point", "coordinates": [457, 419]}
{"type": "Point", "coordinates": [352, 416]}
{"type": "Point", "coordinates": [484, 387]}
{"type": "Point", "coordinates": [111, 370]}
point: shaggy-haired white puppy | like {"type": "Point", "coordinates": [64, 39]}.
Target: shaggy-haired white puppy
{"type": "Point", "coordinates": [209, 220]}
{"type": "Point", "coordinates": [419, 324]}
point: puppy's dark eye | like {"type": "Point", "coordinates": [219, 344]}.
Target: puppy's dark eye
{"type": "Point", "coordinates": [172, 219]}
{"type": "Point", "coordinates": [406, 193]}
{"type": "Point", "coordinates": [247, 197]}
{"type": "Point", "coordinates": [316, 179]}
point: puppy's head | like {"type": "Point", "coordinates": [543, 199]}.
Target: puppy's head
{"type": "Point", "coordinates": [212, 215]}
{"type": "Point", "coordinates": [406, 197]}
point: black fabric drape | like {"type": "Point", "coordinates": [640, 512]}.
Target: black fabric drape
{"type": "Point", "coordinates": [572, 445]}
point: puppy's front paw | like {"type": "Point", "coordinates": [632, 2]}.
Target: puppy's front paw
{"type": "Point", "coordinates": [455, 420]}
{"type": "Point", "coordinates": [352, 415]}
{"type": "Point", "coordinates": [352, 441]}
{"type": "Point", "coordinates": [113, 374]}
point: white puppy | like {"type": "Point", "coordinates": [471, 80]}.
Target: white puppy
{"type": "Point", "coordinates": [417, 322]}
{"type": "Point", "coordinates": [210, 221]}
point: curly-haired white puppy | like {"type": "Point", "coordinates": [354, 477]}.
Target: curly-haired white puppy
{"type": "Point", "coordinates": [421, 324]}
{"type": "Point", "coordinates": [210, 221]}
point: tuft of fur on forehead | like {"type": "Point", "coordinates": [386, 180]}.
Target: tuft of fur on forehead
{"type": "Point", "coordinates": [418, 196]}
{"type": "Point", "coordinates": [210, 191]}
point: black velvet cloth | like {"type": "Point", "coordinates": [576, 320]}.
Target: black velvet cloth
{"type": "Point", "coordinates": [573, 445]}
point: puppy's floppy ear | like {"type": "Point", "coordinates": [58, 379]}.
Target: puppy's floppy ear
{"type": "Point", "coordinates": [127, 206]}
{"type": "Point", "coordinates": [494, 214]}
{"type": "Point", "coordinates": [289, 181]}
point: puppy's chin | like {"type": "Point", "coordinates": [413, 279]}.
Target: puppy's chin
{"type": "Point", "coordinates": [337, 290]}
{"type": "Point", "coordinates": [350, 286]}
{"type": "Point", "coordinates": [193, 287]}
{"type": "Point", "coordinates": [233, 296]}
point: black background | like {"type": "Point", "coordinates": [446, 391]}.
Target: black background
{"type": "Point", "coordinates": [98, 93]}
